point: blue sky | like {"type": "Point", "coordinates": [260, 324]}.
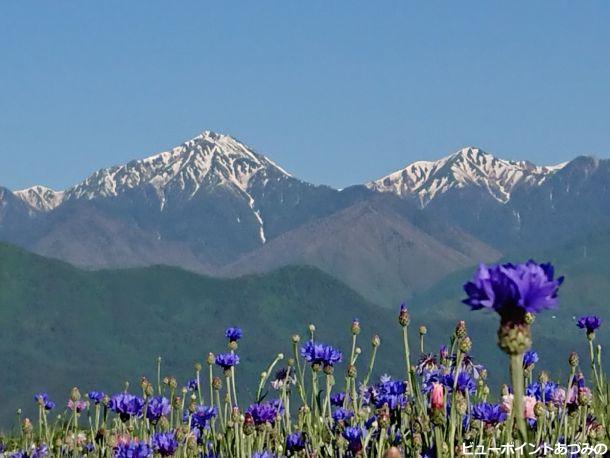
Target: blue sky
{"type": "Point", "coordinates": [335, 92]}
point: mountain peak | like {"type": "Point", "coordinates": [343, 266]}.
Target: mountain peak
{"type": "Point", "coordinates": [40, 198]}
{"type": "Point", "coordinates": [468, 167]}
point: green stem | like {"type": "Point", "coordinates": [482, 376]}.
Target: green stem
{"type": "Point", "coordinates": [516, 373]}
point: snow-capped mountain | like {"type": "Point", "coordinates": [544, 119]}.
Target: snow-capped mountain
{"type": "Point", "coordinates": [210, 159]}
{"type": "Point", "coordinates": [41, 198]}
{"type": "Point", "coordinates": [426, 180]}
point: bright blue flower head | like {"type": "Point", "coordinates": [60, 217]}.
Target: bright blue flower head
{"type": "Point", "coordinates": [227, 360]}
{"type": "Point", "coordinates": [589, 322]}
{"type": "Point", "coordinates": [263, 454]}
{"type": "Point", "coordinates": [43, 400]}
{"type": "Point", "coordinates": [512, 290]}
{"type": "Point", "coordinates": [165, 444]}
{"type": "Point", "coordinates": [95, 396]}
{"type": "Point", "coordinates": [191, 385]}
{"type": "Point", "coordinates": [295, 442]}
{"type": "Point", "coordinates": [157, 407]}
{"type": "Point", "coordinates": [390, 392]}
{"type": "Point", "coordinates": [133, 449]}
{"type": "Point", "coordinates": [530, 358]}
{"type": "Point", "coordinates": [542, 392]}
{"type": "Point", "coordinates": [490, 414]}
{"type": "Point", "coordinates": [337, 399]}
{"type": "Point", "coordinates": [465, 382]}
{"type": "Point", "coordinates": [233, 334]}
{"type": "Point", "coordinates": [354, 435]}
{"type": "Point", "coordinates": [319, 353]}
{"type": "Point", "coordinates": [341, 414]}
{"type": "Point", "coordinates": [265, 412]}
{"type": "Point", "coordinates": [202, 415]}
{"type": "Point", "coordinates": [126, 405]}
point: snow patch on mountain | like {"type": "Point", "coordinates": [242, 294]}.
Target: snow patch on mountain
{"type": "Point", "coordinates": [40, 198]}
{"type": "Point", "coordinates": [470, 166]}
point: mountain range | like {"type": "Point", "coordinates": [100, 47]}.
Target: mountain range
{"type": "Point", "coordinates": [215, 206]}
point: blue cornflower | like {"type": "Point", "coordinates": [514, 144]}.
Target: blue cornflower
{"type": "Point", "coordinates": [227, 360]}
{"type": "Point", "coordinates": [233, 334]}
{"type": "Point", "coordinates": [589, 322]}
{"type": "Point", "coordinates": [95, 396]}
{"type": "Point", "coordinates": [319, 353]}
{"type": "Point", "coordinates": [192, 385]}
{"type": "Point", "coordinates": [433, 376]}
{"type": "Point", "coordinates": [126, 405]}
{"type": "Point", "coordinates": [202, 415]}
{"type": "Point", "coordinates": [390, 392]}
{"type": "Point", "coordinates": [542, 392]}
{"type": "Point", "coordinates": [295, 442]}
{"type": "Point", "coordinates": [133, 449]}
{"type": "Point", "coordinates": [157, 407]}
{"type": "Point", "coordinates": [530, 358]}
{"type": "Point", "coordinates": [263, 454]}
{"type": "Point", "coordinates": [265, 412]}
{"type": "Point", "coordinates": [490, 414]}
{"type": "Point", "coordinates": [354, 435]}
{"type": "Point", "coordinates": [341, 414]}
{"type": "Point", "coordinates": [465, 382]}
{"type": "Point", "coordinates": [43, 400]}
{"type": "Point", "coordinates": [337, 399]}
{"type": "Point", "coordinates": [512, 290]}
{"type": "Point", "coordinates": [165, 444]}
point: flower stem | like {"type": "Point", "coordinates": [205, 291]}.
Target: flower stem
{"type": "Point", "coordinates": [516, 373]}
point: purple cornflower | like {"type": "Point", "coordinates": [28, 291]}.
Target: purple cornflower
{"type": "Point", "coordinates": [542, 392]}
{"type": "Point", "coordinates": [263, 454]}
{"type": "Point", "coordinates": [43, 400]}
{"type": "Point", "coordinates": [465, 382]}
{"type": "Point", "coordinates": [133, 449]}
{"type": "Point", "coordinates": [192, 385]}
{"type": "Point", "coordinates": [530, 358]}
{"type": "Point", "coordinates": [202, 415]}
{"type": "Point", "coordinates": [295, 442]}
{"type": "Point", "coordinates": [341, 414]}
{"type": "Point", "coordinates": [337, 399]}
{"type": "Point", "coordinates": [390, 392]}
{"type": "Point", "coordinates": [319, 353]}
{"type": "Point", "coordinates": [589, 322]}
{"type": "Point", "coordinates": [233, 334]}
{"type": "Point", "coordinates": [265, 412]}
{"type": "Point", "coordinates": [95, 396]}
{"type": "Point", "coordinates": [512, 290]}
{"type": "Point", "coordinates": [165, 444]}
{"type": "Point", "coordinates": [126, 405]}
{"type": "Point", "coordinates": [227, 360]}
{"type": "Point", "coordinates": [157, 407]}
{"type": "Point", "coordinates": [353, 435]}
{"type": "Point", "coordinates": [35, 452]}
{"type": "Point", "coordinates": [490, 414]}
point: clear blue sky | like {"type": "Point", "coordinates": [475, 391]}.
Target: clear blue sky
{"type": "Point", "coordinates": [335, 92]}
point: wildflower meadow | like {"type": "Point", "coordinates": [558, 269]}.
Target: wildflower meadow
{"type": "Point", "coordinates": [323, 401]}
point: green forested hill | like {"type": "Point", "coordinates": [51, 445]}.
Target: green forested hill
{"type": "Point", "coordinates": [64, 327]}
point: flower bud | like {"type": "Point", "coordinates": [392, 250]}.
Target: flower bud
{"type": "Point", "coordinates": [375, 341]}
{"type": "Point", "coordinates": [210, 359]}
{"type": "Point", "coordinates": [232, 345]}
{"type": "Point", "coordinates": [312, 328]}
{"type": "Point", "coordinates": [351, 371]}
{"type": "Point", "coordinates": [465, 344]}
{"type": "Point", "coordinates": [296, 338]}
{"type": "Point", "coordinates": [573, 359]}
{"type": "Point", "coordinates": [355, 326]}
{"type": "Point", "coordinates": [529, 318]}
{"type": "Point", "coordinates": [514, 338]}
{"type": "Point", "coordinates": [217, 383]}
{"type": "Point", "coordinates": [423, 330]}
{"type": "Point", "coordinates": [460, 329]}
{"type": "Point", "coordinates": [403, 316]}
{"type": "Point", "coordinates": [198, 367]}
{"type": "Point", "coordinates": [543, 377]}
{"type": "Point", "coordinates": [173, 383]}
{"type": "Point", "coordinates": [75, 394]}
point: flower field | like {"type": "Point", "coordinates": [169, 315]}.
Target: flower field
{"type": "Point", "coordinates": [322, 401]}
